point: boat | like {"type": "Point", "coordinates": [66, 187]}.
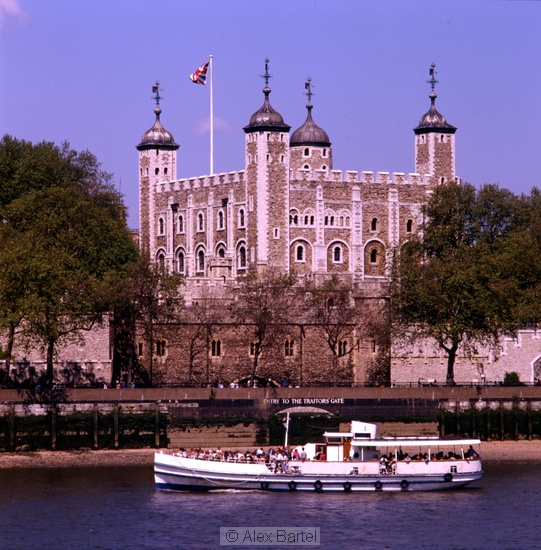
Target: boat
{"type": "Point", "coordinates": [353, 461]}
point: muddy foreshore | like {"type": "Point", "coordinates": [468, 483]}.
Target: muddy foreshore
{"type": "Point", "coordinates": [492, 451]}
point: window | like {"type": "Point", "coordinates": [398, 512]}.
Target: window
{"type": "Point", "coordinates": [374, 224]}
{"type": "Point", "coordinates": [311, 220]}
{"type": "Point", "coordinates": [241, 218]}
{"type": "Point", "coordinates": [161, 226]}
{"type": "Point", "coordinates": [276, 232]}
{"type": "Point", "coordinates": [306, 219]}
{"type": "Point", "coordinates": [165, 170]}
{"type": "Point", "coordinates": [242, 257]}
{"type": "Point", "coordinates": [342, 348]}
{"type": "Point", "coordinates": [337, 254]}
{"type": "Point", "coordinates": [157, 171]}
{"type": "Point", "coordinates": [140, 349]}
{"type": "Point", "coordinates": [181, 224]}
{"type": "Point", "coordinates": [200, 261]}
{"type": "Point", "coordinates": [373, 346]}
{"type": "Point", "coordinates": [161, 261]}
{"type": "Point", "coordinates": [324, 152]}
{"type": "Point", "coordinates": [374, 256]}
{"type": "Point", "coordinates": [300, 253]}
{"type": "Point", "coordinates": [221, 252]}
{"type": "Point", "coordinates": [306, 167]}
{"type": "Point", "coordinates": [289, 348]}
{"type": "Point", "coordinates": [332, 220]}
{"type": "Point", "coordinates": [220, 220]}
{"type": "Point", "coordinates": [307, 152]}
{"type": "Point", "coordinates": [181, 263]}
{"type": "Point", "coordinates": [216, 348]}
{"type": "Point", "coordinates": [254, 348]}
{"type": "Point", "coordinates": [160, 348]}
{"type": "Point", "coordinates": [200, 222]}
{"type": "Point", "coordinates": [409, 226]}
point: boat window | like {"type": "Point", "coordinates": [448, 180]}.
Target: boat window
{"type": "Point", "coordinates": [334, 440]}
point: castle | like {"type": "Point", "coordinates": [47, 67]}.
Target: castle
{"type": "Point", "coordinates": [288, 209]}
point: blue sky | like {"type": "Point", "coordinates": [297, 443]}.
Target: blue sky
{"type": "Point", "coordinates": [82, 72]}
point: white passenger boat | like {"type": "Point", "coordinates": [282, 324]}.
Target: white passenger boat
{"type": "Point", "coordinates": [351, 461]}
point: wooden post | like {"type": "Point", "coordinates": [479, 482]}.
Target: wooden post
{"type": "Point", "coordinates": [96, 432]}
{"type": "Point", "coordinates": [116, 425]}
{"type": "Point", "coordinates": [53, 427]}
{"type": "Point", "coordinates": [529, 416]}
{"type": "Point", "coordinates": [502, 423]}
{"type": "Point", "coordinates": [156, 424]}
{"type": "Point", "coordinates": [457, 418]}
{"type": "Point", "coordinates": [488, 422]}
{"type": "Point", "coordinates": [515, 421]}
{"type": "Point", "coordinates": [473, 412]}
{"type": "Point", "coordinates": [12, 428]}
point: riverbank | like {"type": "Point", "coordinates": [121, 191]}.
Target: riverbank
{"type": "Point", "coordinates": [492, 451]}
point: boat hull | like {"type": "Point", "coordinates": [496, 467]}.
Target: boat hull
{"type": "Point", "coordinates": [186, 474]}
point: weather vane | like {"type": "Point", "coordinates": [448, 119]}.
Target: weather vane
{"type": "Point", "coordinates": [156, 90]}
{"type": "Point", "coordinates": [432, 80]}
{"type": "Point", "coordinates": [266, 76]}
{"type": "Point", "coordinates": [308, 86]}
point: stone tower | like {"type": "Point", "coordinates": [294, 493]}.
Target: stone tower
{"type": "Point", "coordinates": [435, 142]}
{"type": "Point", "coordinates": [157, 163]}
{"type": "Point", "coordinates": [267, 186]}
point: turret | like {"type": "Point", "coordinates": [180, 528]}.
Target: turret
{"type": "Point", "coordinates": [157, 162]}
{"type": "Point", "coordinates": [435, 142]}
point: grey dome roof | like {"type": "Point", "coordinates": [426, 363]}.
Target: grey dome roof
{"type": "Point", "coordinates": [309, 133]}
{"type": "Point", "coordinates": [157, 136]}
{"type": "Point", "coordinates": [266, 118]}
{"type": "Point", "coordinates": [432, 120]}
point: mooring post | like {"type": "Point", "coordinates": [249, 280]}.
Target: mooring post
{"type": "Point", "coordinates": [116, 425]}
{"type": "Point", "coordinates": [96, 432]}
{"type": "Point", "coordinates": [53, 426]}
{"type": "Point", "coordinates": [157, 424]}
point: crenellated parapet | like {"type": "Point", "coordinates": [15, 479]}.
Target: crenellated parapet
{"type": "Point", "coordinates": [365, 177]}
{"type": "Point", "coordinates": [200, 182]}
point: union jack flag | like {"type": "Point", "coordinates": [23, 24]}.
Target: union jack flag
{"type": "Point", "coordinates": [200, 76]}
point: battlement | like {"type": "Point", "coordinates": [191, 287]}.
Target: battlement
{"type": "Point", "coordinates": [186, 184]}
{"type": "Point", "coordinates": [353, 176]}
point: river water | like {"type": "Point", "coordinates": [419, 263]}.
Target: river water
{"type": "Point", "coordinates": [119, 508]}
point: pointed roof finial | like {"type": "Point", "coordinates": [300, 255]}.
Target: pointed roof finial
{"type": "Point", "coordinates": [432, 82]}
{"type": "Point", "coordinates": [308, 86]}
{"type": "Point", "coordinates": [266, 76]}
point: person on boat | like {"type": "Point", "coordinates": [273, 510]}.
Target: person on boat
{"type": "Point", "coordinates": [303, 455]}
{"type": "Point", "coordinates": [394, 464]}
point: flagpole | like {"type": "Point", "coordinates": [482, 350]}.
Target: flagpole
{"type": "Point", "coordinates": [211, 119]}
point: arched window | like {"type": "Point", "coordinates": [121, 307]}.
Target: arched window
{"type": "Point", "coordinates": [326, 220]}
{"type": "Point", "coordinates": [300, 253]}
{"type": "Point", "coordinates": [181, 263]}
{"type": "Point", "coordinates": [347, 221]}
{"type": "Point", "coordinates": [332, 220]}
{"type": "Point", "coordinates": [241, 218]}
{"type": "Point", "coordinates": [200, 222]}
{"type": "Point", "coordinates": [307, 152]}
{"type": "Point", "coordinates": [165, 170]}
{"type": "Point", "coordinates": [161, 226]}
{"type": "Point", "coordinates": [201, 261]}
{"type": "Point", "coordinates": [311, 220]}
{"type": "Point", "coordinates": [337, 254]}
{"type": "Point", "coordinates": [409, 226]}
{"type": "Point", "coordinates": [374, 224]}
{"type": "Point", "coordinates": [306, 220]}
{"type": "Point", "coordinates": [216, 348]}
{"type": "Point", "coordinates": [242, 257]}
{"type": "Point", "coordinates": [181, 224]}
{"type": "Point", "coordinates": [161, 261]}
{"type": "Point", "coordinates": [324, 152]}
{"type": "Point", "coordinates": [157, 171]}
{"type": "Point", "coordinates": [221, 252]}
{"type": "Point", "coordinates": [306, 167]}
{"type": "Point", "coordinates": [374, 256]}
{"type": "Point", "coordinates": [342, 348]}
{"type": "Point", "coordinates": [220, 220]}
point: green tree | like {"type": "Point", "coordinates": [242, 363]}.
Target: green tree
{"type": "Point", "coordinates": [451, 284]}
{"type": "Point", "coordinates": [63, 239]}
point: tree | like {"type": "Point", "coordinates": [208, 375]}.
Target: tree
{"type": "Point", "coordinates": [143, 296]}
{"type": "Point", "coordinates": [332, 307]}
{"type": "Point", "coordinates": [263, 302]}
{"type": "Point", "coordinates": [63, 239]}
{"type": "Point", "coordinates": [450, 285]}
